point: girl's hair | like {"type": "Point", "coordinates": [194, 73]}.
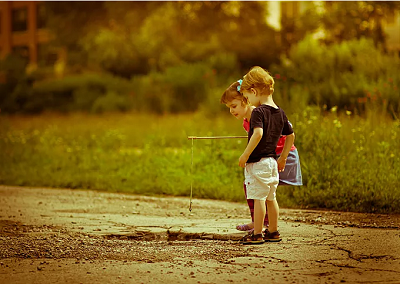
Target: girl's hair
{"type": "Point", "coordinates": [232, 93]}
{"type": "Point", "coordinates": [260, 79]}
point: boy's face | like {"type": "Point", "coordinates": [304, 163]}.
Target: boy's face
{"type": "Point", "coordinates": [251, 96]}
{"type": "Point", "coordinates": [237, 108]}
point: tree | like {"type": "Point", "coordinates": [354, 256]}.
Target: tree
{"type": "Point", "coordinates": [128, 38]}
{"type": "Point", "coordinates": [70, 21]}
{"type": "Point", "coordinates": [355, 19]}
{"type": "Point", "coordinates": [296, 27]}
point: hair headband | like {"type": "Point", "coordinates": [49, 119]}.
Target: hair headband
{"type": "Point", "coordinates": [240, 84]}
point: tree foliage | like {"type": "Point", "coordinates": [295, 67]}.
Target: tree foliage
{"type": "Point", "coordinates": [176, 56]}
{"type": "Point", "coordinates": [356, 19]}
{"type": "Point", "coordinates": [128, 38]}
{"type": "Point", "coordinates": [340, 75]}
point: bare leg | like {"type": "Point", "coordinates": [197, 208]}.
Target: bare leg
{"type": "Point", "coordinates": [273, 215]}
{"type": "Point", "coordinates": [250, 203]}
{"type": "Point", "coordinates": [266, 216]}
{"type": "Point", "coordinates": [259, 214]}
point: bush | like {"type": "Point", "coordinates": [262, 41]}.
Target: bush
{"type": "Point", "coordinates": [111, 102]}
{"type": "Point", "coordinates": [71, 93]}
{"type": "Point", "coordinates": [178, 89]}
{"type": "Point", "coordinates": [346, 75]}
{"type": "Point", "coordinates": [187, 86]}
{"type": "Point", "coordinates": [13, 70]}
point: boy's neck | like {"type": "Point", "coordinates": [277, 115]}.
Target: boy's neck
{"type": "Point", "coordinates": [248, 112]}
{"type": "Point", "coordinates": [267, 100]}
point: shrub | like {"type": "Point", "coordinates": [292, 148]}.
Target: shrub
{"type": "Point", "coordinates": [111, 102]}
{"type": "Point", "coordinates": [13, 71]}
{"type": "Point", "coordinates": [72, 93]}
{"type": "Point", "coordinates": [178, 89]}
{"type": "Point", "coordinates": [187, 86]}
{"type": "Point", "coordinates": [346, 75]}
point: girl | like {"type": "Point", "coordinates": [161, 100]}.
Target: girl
{"type": "Point", "coordinates": [291, 174]}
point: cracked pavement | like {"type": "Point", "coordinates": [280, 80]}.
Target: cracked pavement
{"type": "Point", "coordinates": [81, 236]}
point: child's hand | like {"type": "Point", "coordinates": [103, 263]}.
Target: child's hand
{"type": "Point", "coordinates": [281, 164]}
{"type": "Point", "coordinates": [242, 160]}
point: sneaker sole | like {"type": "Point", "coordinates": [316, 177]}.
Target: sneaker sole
{"type": "Point", "coordinates": [273, 241]}
{"type": "Point", "coordinates": [253, 243]}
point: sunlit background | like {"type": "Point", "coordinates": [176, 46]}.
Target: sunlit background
{"type": "Point", "coordinates": [102, 95]}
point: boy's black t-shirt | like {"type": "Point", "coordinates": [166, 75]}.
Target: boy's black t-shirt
{"type": "Point", "coordinates": [274, 123]}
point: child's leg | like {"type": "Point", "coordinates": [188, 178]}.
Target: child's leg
{"type": "Point", "coordinates": [250, 203]}
{"type": "Point", "coordinates": [259, 214]}
{"type": "Point", "coordinates": [266, 223]}
{"type": "Point", "coordinates": [273, 214]}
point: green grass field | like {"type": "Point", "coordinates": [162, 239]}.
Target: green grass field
{"type": "Point", "coordinates": [348, 163]}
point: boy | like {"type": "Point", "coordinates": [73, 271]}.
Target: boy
{"type": "Point", "coordinates": [267, 123]}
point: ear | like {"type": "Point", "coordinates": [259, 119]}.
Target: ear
{"type": "Point", "coordinates": [254, 91]}
{"type": "Point", "coordinates": [271, 91]}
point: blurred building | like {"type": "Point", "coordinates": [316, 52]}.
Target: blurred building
{"type": "Point", "coordinates": [23, 32]}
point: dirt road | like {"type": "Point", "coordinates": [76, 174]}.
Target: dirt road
{"type": "Point", "coordinates": [74, 236]}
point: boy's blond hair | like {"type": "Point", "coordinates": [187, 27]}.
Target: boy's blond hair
{"type": "Point", "coordinates": [232, 93]}
{"type": "Point", "coordinates": [260, 79]}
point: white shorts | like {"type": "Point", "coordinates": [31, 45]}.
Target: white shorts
{"type": "Point", "coordinates": [262, 179]}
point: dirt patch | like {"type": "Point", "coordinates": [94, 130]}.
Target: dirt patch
{"type": "Point", "coordinates": [343, 219]}
{"type": "Point", "coordinates": [72, 236]}
{"type": "Point", "coordinates": [90, 248]}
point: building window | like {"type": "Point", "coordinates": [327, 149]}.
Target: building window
{"type": "Point", "coordinates": [41, 16]}
{"type": "Point", "coordinates": [19, 19]}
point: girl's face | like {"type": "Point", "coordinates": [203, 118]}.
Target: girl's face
{"type": "Point", "coordinates": [251, 95]}
{"type": "Point", "coordinates": [237, 108]}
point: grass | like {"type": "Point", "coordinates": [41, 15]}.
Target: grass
{"type": "Point", "coordinates": [349, 163]}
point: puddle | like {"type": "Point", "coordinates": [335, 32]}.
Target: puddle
{"type": "Point", "coordinates": [172, 236]}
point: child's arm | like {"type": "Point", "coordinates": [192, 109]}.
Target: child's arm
{"type": "Point", "coordinates": [285, 152]}
{"type": "Point", "coordinates": [254, 140]}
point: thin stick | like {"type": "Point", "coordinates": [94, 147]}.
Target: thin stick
{"type": "Point", "coordinates": [191, 181]}
{"type": "Point", "coordinates": [215, 137]}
